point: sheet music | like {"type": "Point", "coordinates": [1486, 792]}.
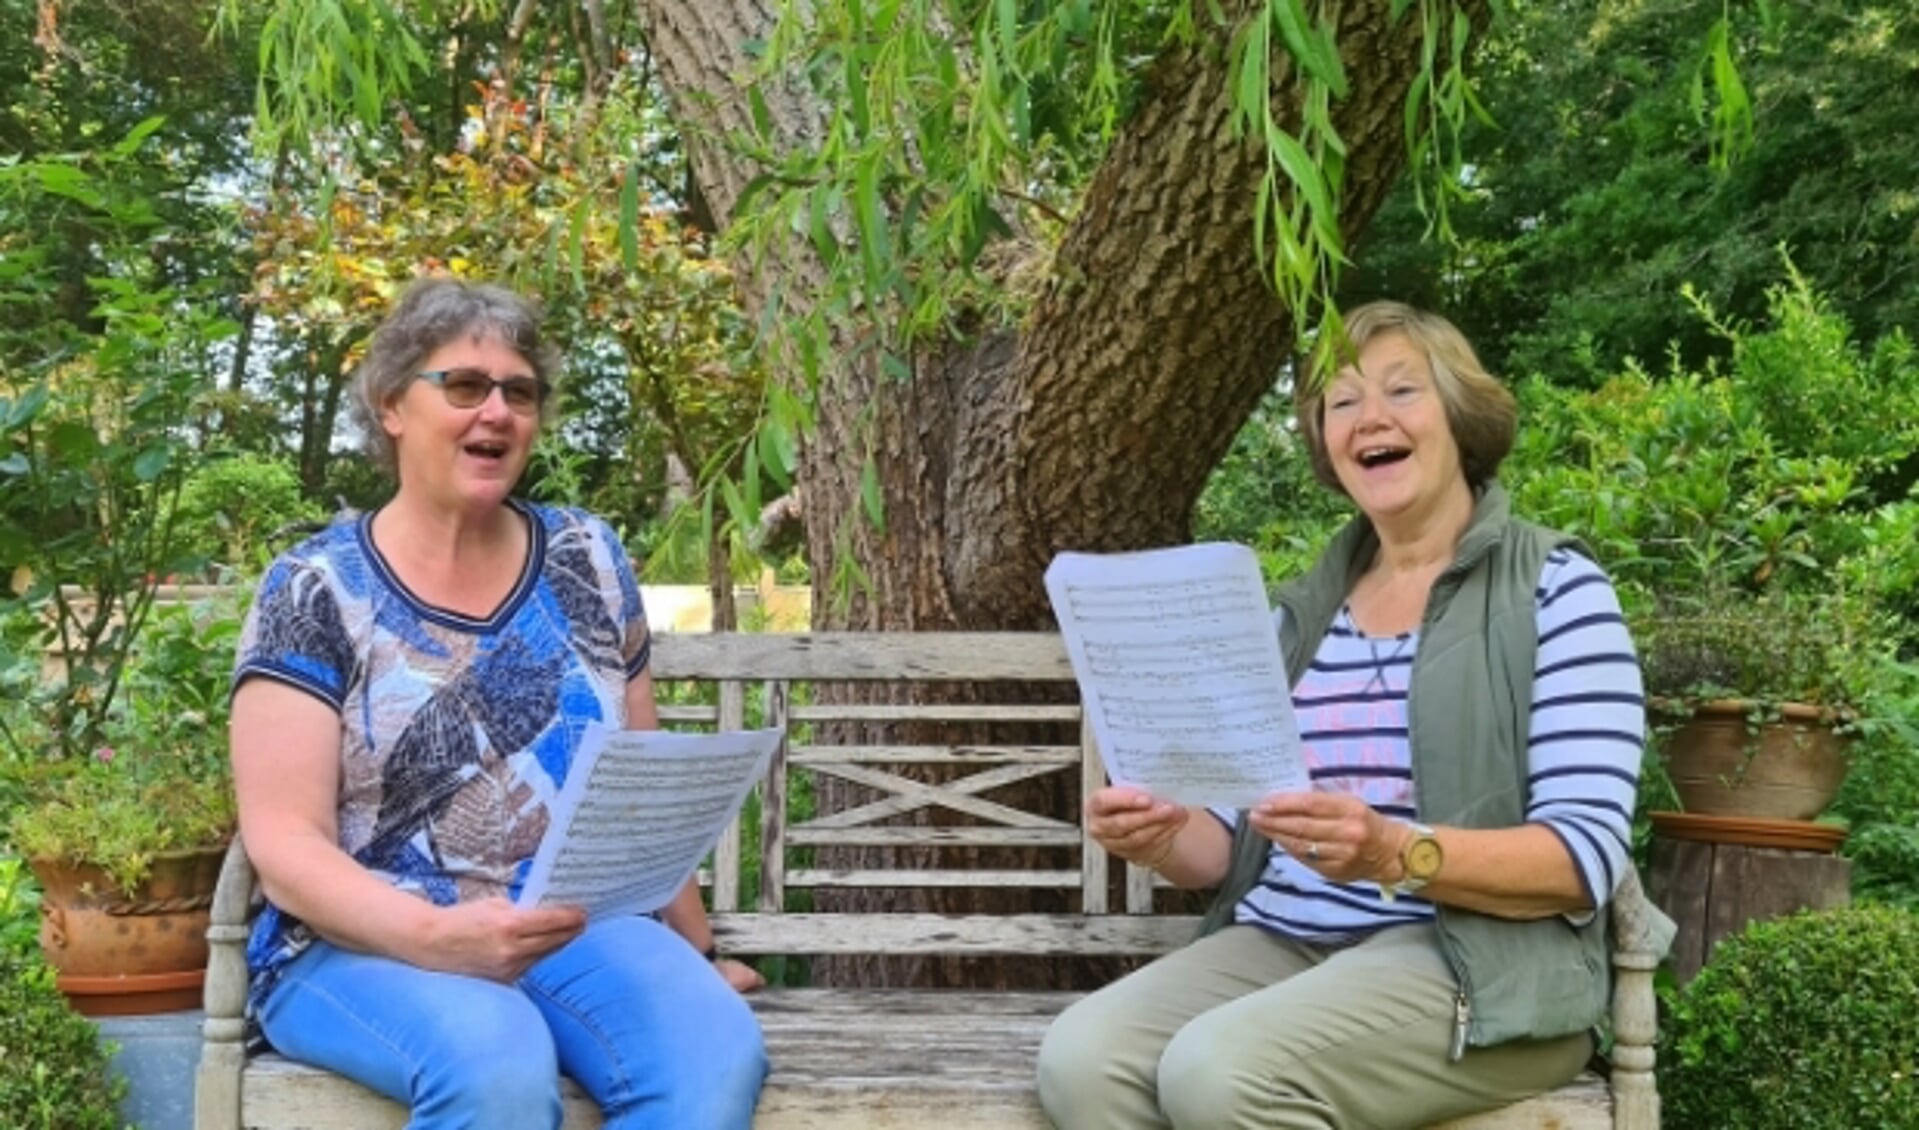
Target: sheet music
{"type": "Point", "coordinates": [639, 810]}
{"type": "Point", "coordinates": [1180, 674]}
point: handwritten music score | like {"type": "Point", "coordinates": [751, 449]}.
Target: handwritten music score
{"type": "Point", "coordinates": [1177, 656]}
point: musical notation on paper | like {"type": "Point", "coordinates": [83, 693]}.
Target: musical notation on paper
{"type": "Point", "coordinates": [1180, 673]}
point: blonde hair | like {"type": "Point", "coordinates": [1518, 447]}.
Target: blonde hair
{"type": "Point", "coordinates": [1480, 412]}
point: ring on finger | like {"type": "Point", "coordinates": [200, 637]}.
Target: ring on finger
{"type": "Point", "coordinates": [1312, 849]}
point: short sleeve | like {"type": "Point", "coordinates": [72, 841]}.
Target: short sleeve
{"type": "Point", "coordinates": [636, 638]}
{"type": "Point", "coordinates": [295, 633]}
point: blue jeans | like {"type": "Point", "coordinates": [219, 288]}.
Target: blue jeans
{"type": "Point", "coordinates": [627, 1009]}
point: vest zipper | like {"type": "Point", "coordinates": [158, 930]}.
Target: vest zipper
{"type": "Point", "coordinates": [1462, 1015]}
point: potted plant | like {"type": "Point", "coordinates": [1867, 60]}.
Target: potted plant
{"type": "Point", "coordinates": [1754, 697]}
{"type": "Point", "coordinates": [100, 410]}
{"type": "Point", "coordinates": [127, 841]}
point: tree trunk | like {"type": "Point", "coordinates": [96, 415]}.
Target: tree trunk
{"type": "Point", "coordinates": [1096, 426]}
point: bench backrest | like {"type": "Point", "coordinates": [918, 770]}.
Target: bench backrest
{"type": "Point", "coordinates": [777, 671]}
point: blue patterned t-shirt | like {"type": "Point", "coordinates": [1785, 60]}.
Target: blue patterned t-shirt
{"type": "Point", "coordinates": [455, 731]}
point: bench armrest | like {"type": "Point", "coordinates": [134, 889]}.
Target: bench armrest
{"type": "Point", "coordinates": [1641, 936]}
{"type": "Point", "coordinates": [216, 1097]}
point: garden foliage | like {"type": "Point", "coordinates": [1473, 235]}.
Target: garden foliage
{"type": "Point", "coordinates": [54, 1072]}
{"type": "Point", "coordinates": [1805, 1023]}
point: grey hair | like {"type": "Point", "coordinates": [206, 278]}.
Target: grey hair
{"type": "Point", "coordinates": [433, 312]}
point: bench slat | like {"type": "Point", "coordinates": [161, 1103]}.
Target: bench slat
{"type": "Point", "coordinates": [1002, 880]}
{"type": "Point", "coordinates": [935, 754]}
{"type": "Point", "coordinates": [956, 656]}
{"type": "Point", "coordinates": [932, 835]}
{"type": "Point", "coordinates": [962, 934]}
{"type": "Point", "coordinates": [958, 795]}
{"type": "Point", "coordinates": [936, 712]}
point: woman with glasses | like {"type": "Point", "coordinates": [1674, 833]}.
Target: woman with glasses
{"type": "Point", "coordinates": [411, 686]}
{"type": "Point", "coordinates": [1419, 936]}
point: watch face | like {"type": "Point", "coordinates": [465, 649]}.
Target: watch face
{"type": "Point", "coordinates": [1423, 857]}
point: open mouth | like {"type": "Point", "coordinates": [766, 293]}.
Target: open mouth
{"type": "Point", "coordinates": [1382, 456]}
{"type": "Point", "coordinates": [486, 449]}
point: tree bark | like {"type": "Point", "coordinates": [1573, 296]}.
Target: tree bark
{"type": "Point", "coordinates": [1095, 426]}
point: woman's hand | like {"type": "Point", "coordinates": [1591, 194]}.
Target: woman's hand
{"type": "Point", "coordinates": [1336, 834]}
{"type": "Point", "coordinates": [1133, 824]}
{"type": "Point", "coordinates": [495, 939]}
{"type": "Point", "coordinates": [743, 977]}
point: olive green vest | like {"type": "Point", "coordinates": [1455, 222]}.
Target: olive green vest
{"type": "Point", "coordinates": [1469, 715]}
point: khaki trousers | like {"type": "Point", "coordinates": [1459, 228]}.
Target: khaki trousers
{"type": "Point", "coordinates": [1244, 1028]}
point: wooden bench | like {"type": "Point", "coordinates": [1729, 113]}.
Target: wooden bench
{"type": "Point", "coordinates": [886, 1058]}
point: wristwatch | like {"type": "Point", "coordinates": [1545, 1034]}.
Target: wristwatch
{"type": "Point", "coordinates": [1419, 861]}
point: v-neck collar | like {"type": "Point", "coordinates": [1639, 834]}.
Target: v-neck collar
{"type": "Point", "coordinates": [509, 605]}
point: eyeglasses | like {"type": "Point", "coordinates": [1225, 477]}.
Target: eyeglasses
{"type": "Point", "coordinates": [469, 388]}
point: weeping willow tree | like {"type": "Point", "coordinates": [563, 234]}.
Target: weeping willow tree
{"type": "Point", "coordinates": [1024, 267]}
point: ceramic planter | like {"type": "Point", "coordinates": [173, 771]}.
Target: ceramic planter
{"type": "Point", "coordinates": [1724, 763]}
{"type": "Point", "coordinates": [120, 952]}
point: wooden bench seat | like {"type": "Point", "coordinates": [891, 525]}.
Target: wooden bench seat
{"type": "Point", "coordinates": [882, 1059]}
{"type": "Point", "coordinates": [889, 1058]}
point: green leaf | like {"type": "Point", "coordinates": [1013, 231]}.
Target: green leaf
{"type": "Point", "coordinates": [819, 226]}
{"type": "Point", "coordinates": [762, 117]}
{"type": "Point", "coordinates": [74, 444]}
{"type": "Point", "coordinates": [152, 463]}
{"type": "Point", "coordinates": [28, 408]}
{"type": "Point", "coordinates": [856, 97]}
{"type": "Point", "coordinates": [630, 219]}
{"type": "Point", "coordinates": [1250, 82]}
{"type": "Point", "coordinates": [1263, 204]}
{"type": "Point", "coordinates": [986, 225]}
{"type": "Point", "coordinates": [1022, 114]}
{"type": "Point", "coordinates": [1008, 28]}
{"type": "Point", "coordinates": [753, 188]}
{"type": "Point", "coordinates": [743, 519]}
{"type": "Point", "coordinates": [576, 242]}
{"type": "Point", "coordinates": [866, 206]}
{"type": "Point", "coordinates": [136, 135]}
{"type": "Point", "coordinates": [1300, 169]}
{"type": "Point", "coordinates": [65, 180]}
{"type": "Point", "coordinates": [870, 495]}
{"type": "Point", "coordinates": [1415, 112]}
{"type": "Point", "coordinates": [774, 448]}
{"type": "Point", "coordinates": [1291, 17]}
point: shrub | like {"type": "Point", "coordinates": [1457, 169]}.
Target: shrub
{"type": "Point", "coordinates": [1805, 1023]}
{"type": "Point", "coordinates": [242, 510]}
{"type": "Point", "coordinates": [1885, 864]}
{"type": "Point", "coordinates": [54, 1071]}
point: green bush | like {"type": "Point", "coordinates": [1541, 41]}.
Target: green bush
{"type": "Point", "coordinates": [1885, 864]}
{"type": "Point", "coordinates": [54, 1072]}
{"type": "Point", "coordinates": [241, 511]}
{"type": "Point", "coordinates": [1805, 1023]}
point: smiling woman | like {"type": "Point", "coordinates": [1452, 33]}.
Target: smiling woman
{"type": "Point", "coordinates": [410, 690]}
{"type": "Point", "coordinates": [1429, 907]}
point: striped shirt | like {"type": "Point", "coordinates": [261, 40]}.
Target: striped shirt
{"type": "Point", "coordinates": [1588, 728]}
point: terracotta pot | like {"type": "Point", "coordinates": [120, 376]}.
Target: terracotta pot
{"type": "Point", "coordinates": [1723, 764]}
{"type": "Point", "coordinates": [134, 994]}
{"type": "Point", "coordinates": [91, 929]}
